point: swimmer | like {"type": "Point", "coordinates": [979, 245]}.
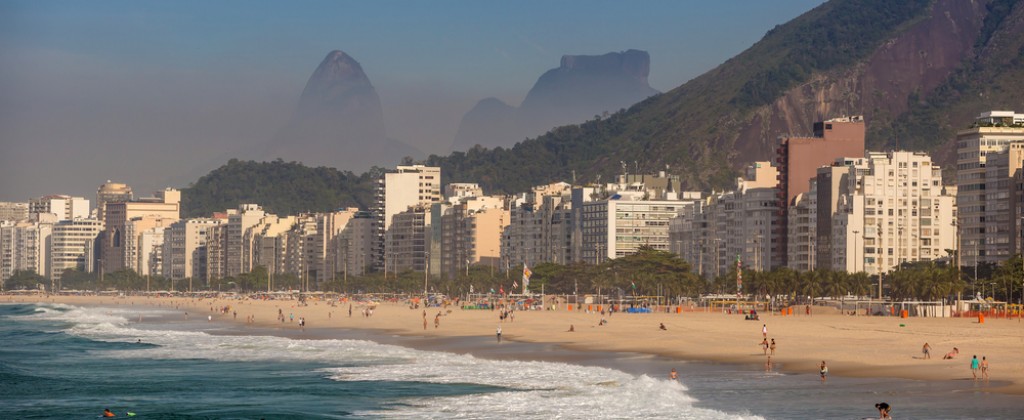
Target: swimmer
{"type": "Point", "coordinates": [108, 413]}
{"type": "Point", "coordinates": [883, 410]}
{"type": "Point", "coordinates": [673, 375]}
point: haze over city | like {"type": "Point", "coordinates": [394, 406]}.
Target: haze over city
{"type": "Point", "coordinates": [157, 94]}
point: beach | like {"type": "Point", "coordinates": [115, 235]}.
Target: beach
{"type": "Point", "coordinates": [852, 346]}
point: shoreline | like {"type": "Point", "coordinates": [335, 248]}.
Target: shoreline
{"type": "Point", "coordinates": [853, 346]}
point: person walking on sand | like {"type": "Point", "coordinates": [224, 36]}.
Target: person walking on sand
{"type": "Point", "coordinates": [437, 320]}
{"type": "Point", "coordinates": [772, 347]}
{"type": "Point", "coordinates": [975, 365]}
{"type": "Point", "coordinates": [823, 370]}
{"type": "Point", "coordinates": [764, 331]}
{"type": "Point", "coordinates": [764, 346]}
{"type": "Point", "coordinates": [984, 368]}
{"type": "Point", "coordinates": [927, 351]}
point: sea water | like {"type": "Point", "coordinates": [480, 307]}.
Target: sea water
{"type": "Point", "coordinates": [60, 361]}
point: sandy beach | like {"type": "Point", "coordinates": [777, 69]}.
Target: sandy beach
{"type": "Point", "coordinates": [856, 346]}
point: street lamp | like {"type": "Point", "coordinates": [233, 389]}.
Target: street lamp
{"type": "Point", "coordinates": [855, 233]}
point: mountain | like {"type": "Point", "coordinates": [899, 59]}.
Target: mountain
{"type": "Point", "coordinates": [338, 122]}
{"type": "Point", "coordinates": [918, 70]}
{"type": "Point", "coordinates": [581, 87]}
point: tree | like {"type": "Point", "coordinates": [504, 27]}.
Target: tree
{"type": "Point", "coordinates": [24, 280]}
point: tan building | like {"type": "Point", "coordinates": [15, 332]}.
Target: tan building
{"type": "Point", "coordinates": [184, 254]}
{"type": "Point", "coordinates": [991, 133]}
{"type": "Point", "coordinates": [125, 220]}
{"type": "Point", "coordinates": [397, 192]}
{"type": "Point", "coordinates": [355, 244]}
{"type": "Point", "coordinates": [13, 211]}
{"type": "Point", "coordinates": [472, 230]}
{"type": "Point", "coordinates": [111, 192]}
{"type": "Point", "coordinates": [798, 159]}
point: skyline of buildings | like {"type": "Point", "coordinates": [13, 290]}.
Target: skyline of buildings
{"type": "Point", "coordinates": [868, 211]}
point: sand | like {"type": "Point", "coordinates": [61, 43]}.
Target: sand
{"type": "Point", "coordinates": [859, 346]}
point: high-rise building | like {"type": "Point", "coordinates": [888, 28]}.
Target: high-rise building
{"type": "Point", "coordinates": [734, 224]}
{"type": "Point", "coordinates": [111, 192]}
{"type": "Point", "coordinates": [13, 211]}
{"type": "Point", "coordinates": [62, 206]}
{"type": "Point", "coordinates": [798, 159]}
{"type": "Point", "coordinates": [73, 245]}
{"type": "Point", "coordinates": [471, 234]}
{"type": "Point", "coordinates": [991, 133]}
{"type": "Point", "coordinates": [125, 220]}
{"type": "Point", "coordinates": [184, 251]}
{"type": "Point", "coordinates": [23, 247]}
{"type": "Point", "coordinates": [355, 244]}
{"type": "Point", "coordinates": [540, 227]}
{"type": "Point", "coordinates": [893, 210]}
{"type": "Point", "coordinates": [408, 187]}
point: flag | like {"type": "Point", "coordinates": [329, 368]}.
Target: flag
{"type": "Point", "coordinates": [471, 288]}
{"type": "Point", "coordinates": [501, 289]}
{"type": "Point", "coordinates": [492, 290]}
{"type": "Point", "coordinates": [633, 283]}
{"type": "Point", "coordinates": [526, 276]}
{"type": "Point", "coordinates": [514, 284]}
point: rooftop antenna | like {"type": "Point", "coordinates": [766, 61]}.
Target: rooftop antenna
{"type": "Point", "coordinates": [573, 177]}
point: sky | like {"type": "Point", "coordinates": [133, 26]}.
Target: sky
{"type": "Point", "coordinates": [156, 94]}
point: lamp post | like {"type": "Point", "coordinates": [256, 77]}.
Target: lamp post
{"type": "Point", "coordinates": [426, 272]}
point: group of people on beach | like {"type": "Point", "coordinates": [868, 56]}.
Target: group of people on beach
{"type": "Point", "coordinates": [977, 366]}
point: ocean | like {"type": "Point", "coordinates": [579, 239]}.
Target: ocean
{"type": "Point", "coordinates": [67, 362]}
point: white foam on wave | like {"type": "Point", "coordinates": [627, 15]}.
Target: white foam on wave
{"type": "Point", "coordinates": [534, 389]}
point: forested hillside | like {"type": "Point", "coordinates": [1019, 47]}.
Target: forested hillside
{"type": "Point", "coordinates": [283, 188]}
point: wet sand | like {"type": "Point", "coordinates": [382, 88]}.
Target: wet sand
{"type": "Point", "coordinates": [853, 346]}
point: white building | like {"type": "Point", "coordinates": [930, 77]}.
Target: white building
{"type": "Point", "coordinates": [73, 245]}
{"type": "Point", "coordinates": [63, 206]}
{"type": "Point", "coordinates": [23, 247]}
{"type": "Point", "coordinates": [897, 212]}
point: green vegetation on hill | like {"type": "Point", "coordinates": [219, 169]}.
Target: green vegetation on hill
{"type": "Point", "coordinates": [693, 128]}
{"type": "Point", "coordinates": [283, 188]}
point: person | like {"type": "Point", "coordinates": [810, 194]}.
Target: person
{"type": "Point", "coordinates": [768, 364]}
{"type": "Point", "coordinates": [209, 318]}
{"type": "Point", "coordinates": [883, 410]}
{"type": "Point", "coordinates": [772, 347]}
{"type": "Point", "coordinates": [662, 326]}
{"type": "Point", "coordinates": [572, 328]}
{"type": "Point", "coordinates": [764, 346]}
{"type": "Point", "coordinates": [951, 354]}
{"type": "Point", "coordinates": [437, 320]}
{"type": "Point", "coordinates": [139, 342]}
{"type": "Point", "coordinates": [673, 375]}
{"type": "Point", "coordinates": [823, 370]}
{"type": "Point", "coordinates": [927, 350]}
{"type": "Point", "coordinates": [975, 365]}
{"type": "Point", "coordinates": [984, 368]}
{"type": "Point", "coordinates": [764, 331]}
{"type": "Point", "coordinates": [499, 333]}
{"type": "Point", "coordinates": [108, 413]}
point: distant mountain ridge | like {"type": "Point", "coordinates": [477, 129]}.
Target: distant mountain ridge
{"type": "Point", "coordinates": [338, 122]}
{"type": "Point", "coordinates": [918, 70]}
{"type": "Point", "coordinates": [581, 87]}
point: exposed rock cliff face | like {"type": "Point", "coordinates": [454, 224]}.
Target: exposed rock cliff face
{"type": "Point", "coordinates": [911, 65]}
{"type": "Point", "coordinates": [581, 87]}
{"type": "Point", "coordinates": [338, 121]}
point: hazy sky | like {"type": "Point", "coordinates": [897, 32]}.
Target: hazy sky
{"type": "Point", "coordinates": [156, 94]}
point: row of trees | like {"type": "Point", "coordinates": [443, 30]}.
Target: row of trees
{"type": "Point", "coordinates": [648, 272]}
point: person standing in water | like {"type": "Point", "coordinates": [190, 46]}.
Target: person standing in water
{"type": "Point", "coordinates": [984, 368]}
{"type": "Point", "coordinates": [499, 333]}
{"type": "Point", "coordinates": [823, 370]}
{"type": "Point", "coordinates": [673, 375]}
{"type": "Point", "coordinates": [974, 367]}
